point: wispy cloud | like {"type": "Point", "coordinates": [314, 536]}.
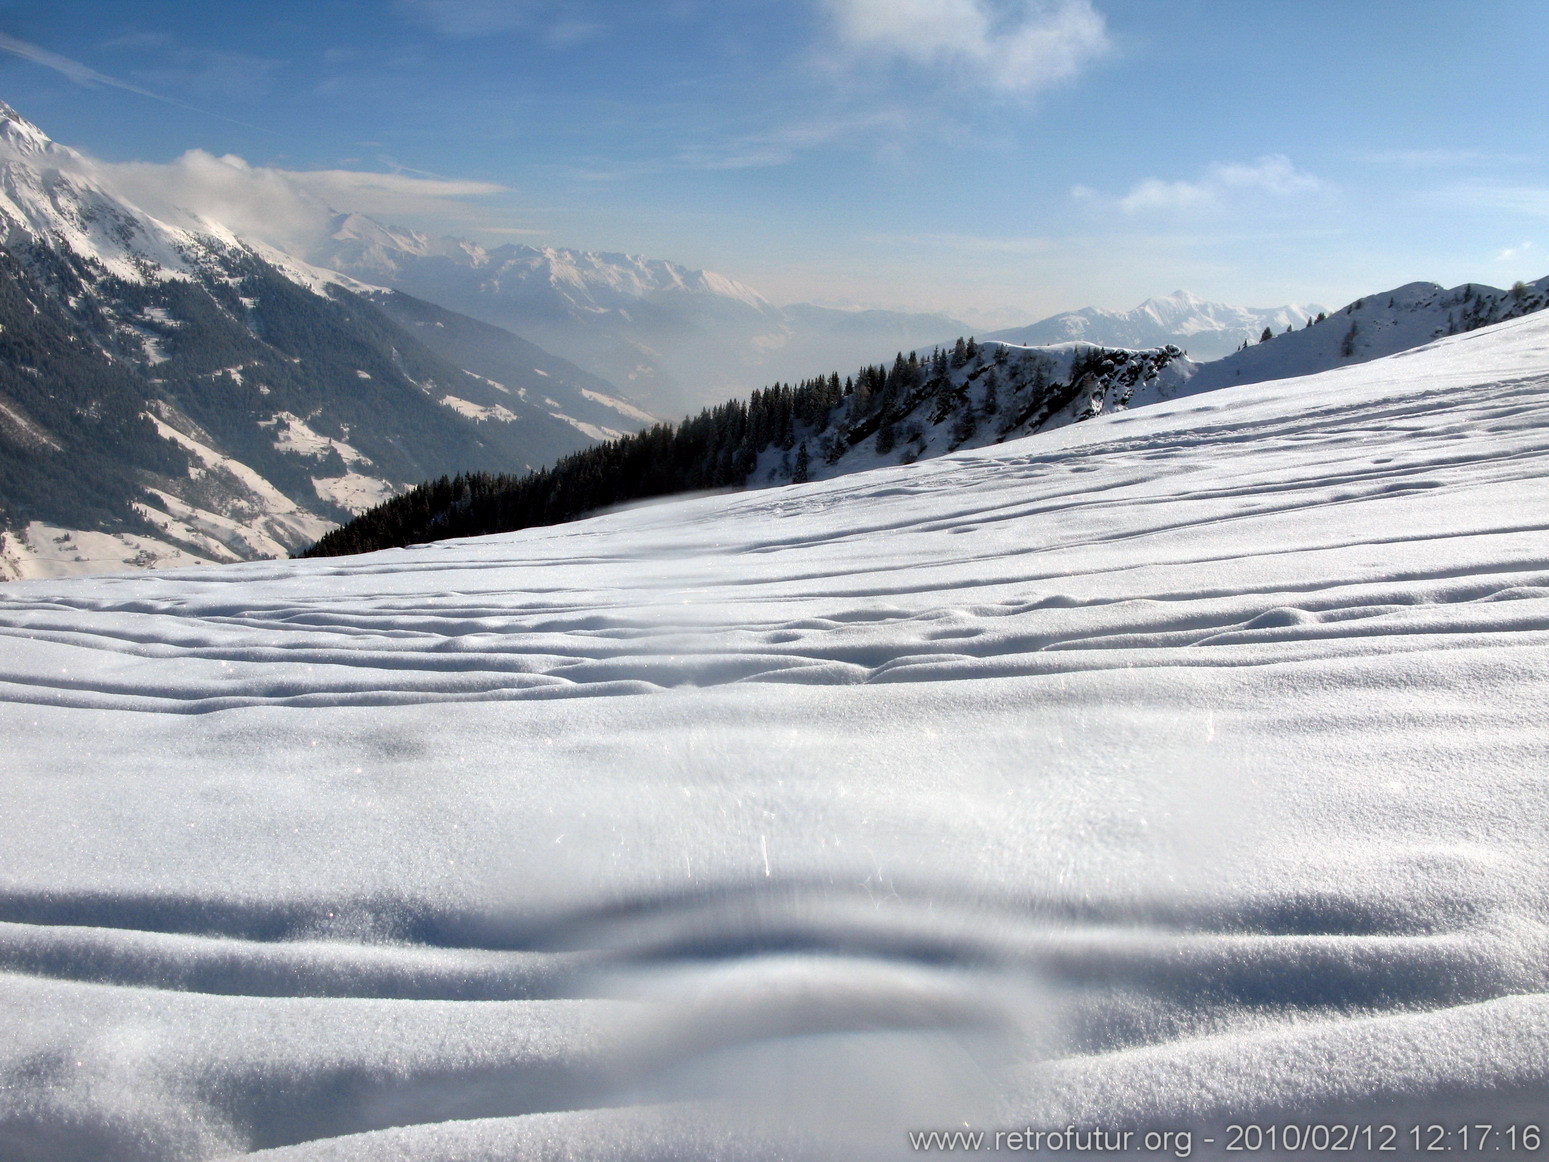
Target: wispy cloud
{"type": "Point", "coordinates": [291, 208]}
{"type": "Point", "coordinates": [1014, 47]}
{"type": "Point", "coordinates": [783, 144]}
{"type": "Point", "coordinates": [1016, 246]}
{"type": "Point", "coordinates": [1519, 252]}
{"type": "Point", "coordinates": [83, 74]}
{"type": "Point", "coordinates": [80, 73]}
{"type": "Point", "coordinates": [205, 73]}
{"type": "Point", "coordinates": [1221, 185]}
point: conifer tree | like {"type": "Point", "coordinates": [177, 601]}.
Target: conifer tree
{"type": "Point", "coordinates": [991, 403]}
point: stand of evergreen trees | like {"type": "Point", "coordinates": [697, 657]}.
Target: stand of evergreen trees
{"type": "Point", "coordinates": [721, 447]}
{"type": "Point", "coordinates": [718, 448]}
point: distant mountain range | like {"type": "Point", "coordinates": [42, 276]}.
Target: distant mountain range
{"type": "Point", "coordinates": [1204, 329]}
{"type": "Point", "coordinates": [678, 339]}
{"type": "Point", "coordinates": [171, 396]}
{"type": "Point", "coordinates": [674, 339]}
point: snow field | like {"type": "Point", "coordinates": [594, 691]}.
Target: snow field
{"type": "Point", "coordinates": [1180, 767]}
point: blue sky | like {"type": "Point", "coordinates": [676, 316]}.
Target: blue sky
{"type": "Point", "coordinates": [959, 155]}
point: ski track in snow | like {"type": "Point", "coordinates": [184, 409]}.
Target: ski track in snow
{"type": "Point", "coordinates": [1180, 767]}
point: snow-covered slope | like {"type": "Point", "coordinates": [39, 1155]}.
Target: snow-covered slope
{"type": "Point", "coordinates": [1204, 329]}
{"type": "Point", "coordinates": [1177, 769]}
{"type": "Point", "coordinates": [1371, 327]}
{"type": "Point", "coordinates": [985, 394]}
{"type": "Point", "coordinates": [152, 376]}
{"type": "Point", "coordinates": [48, 193]}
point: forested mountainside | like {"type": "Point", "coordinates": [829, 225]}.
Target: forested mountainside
{"type": "Point", "coordinates": [586, 401]}
{"type": "Point", "coordinates": [169, 396]}
{"type": "Point", "coordinates": [226, 416]}
{"type": "Point", "coordinates": [972, 395]}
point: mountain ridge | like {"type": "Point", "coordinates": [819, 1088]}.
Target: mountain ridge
{"type": "Point", "coordinates": [968, 396]}
{"type": "Point", "coordinates": [1207, 330]}
{"type": "Point", "coordinates": [1373, 326]}
{"type": "Point", "coordinates": [232, 401]}
{"type": "Point", "coordinates": [971, 395]}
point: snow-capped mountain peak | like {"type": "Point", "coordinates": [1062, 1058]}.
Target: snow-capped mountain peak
{"type": "Point", "coordinates": [1372, 326]}
{"type": "Point", "coordinates": [1207, 329]}
{"type": "Point", "coordinates": [155, 374]}
{"type": "Point", "coordinates": [49, 193]}
{"type": "Point", "coordinates": [20, 135]}
{"type": "Point", "coordinates": [1169, 305]}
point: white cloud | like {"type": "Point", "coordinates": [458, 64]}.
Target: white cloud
{"type": "Point", "coordinates": [1222, 184]}
{"type": "Point", "coordinates": [286, 208]}
{"type": "Point", "coordinates": [1012, 46]}
{"type": "Point", "coordinates": [1523, 250]}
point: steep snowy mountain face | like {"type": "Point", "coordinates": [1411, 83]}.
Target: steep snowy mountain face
{"type": "Point", "coordinates": [1204, 329]}
{"type": "Point", "coordinates": [1371, 327]}
{"type": "Point", "coordinates": [172, 396]}
{"type": "Point", "coordinates": [675, 339]}
{"type": "Point", "coordinates": [1177, 769]}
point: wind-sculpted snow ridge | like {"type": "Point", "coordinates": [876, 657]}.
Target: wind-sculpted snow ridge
{"type": "Point", "coordinates": [1173, 770]}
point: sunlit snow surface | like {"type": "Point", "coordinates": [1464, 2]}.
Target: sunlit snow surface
{"type": "Point", "coordinates": [1179, 768]}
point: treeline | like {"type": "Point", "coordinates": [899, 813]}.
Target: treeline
{"type": "Point", "coordinates": [722, 447]}
{"type": "Point", "coordinates": [719, 448]}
